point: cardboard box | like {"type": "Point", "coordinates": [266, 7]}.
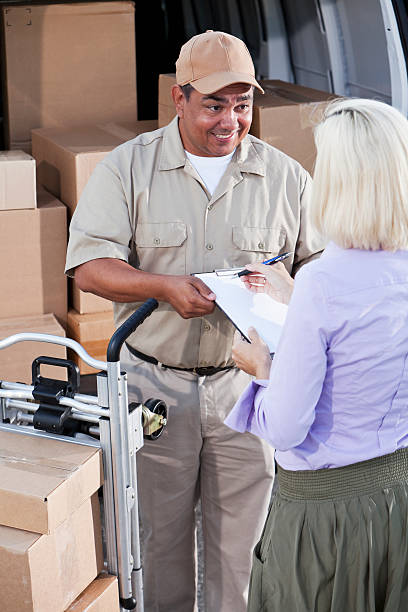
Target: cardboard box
{"type": "Point", "coordinates": [102, 595]}
{"type": "Point", "coordinates": [78, 66]}
{"type": "Point", "coordinates": [93, 331]}
{"type": "Point", "coordinates": [45, 573]}
{"type": "Point", "coordinates": [167, 110]}
{"type": "Point", "coordinates": [66, 157]}
{"type": "Point", "coordinates": [285, 116]}
{"type": "Point", "coordinates": [43, 481]}
{"type": "Point", "coordinates": [16, 360]}
{"type": "Point", "coordinates": [33, 247]}
{"type": "Point", "coordinates": [17, 180]}
{"type": "Point", "coordinates": [86, 303]}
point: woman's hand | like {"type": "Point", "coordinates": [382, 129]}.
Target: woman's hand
{"type": "Point", "coordinates": [274, 280]}
{"type": "Point", "coordinates": [254, 358]}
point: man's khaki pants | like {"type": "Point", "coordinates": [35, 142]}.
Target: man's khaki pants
{"type": "Point", "coordinates": [196, 457]}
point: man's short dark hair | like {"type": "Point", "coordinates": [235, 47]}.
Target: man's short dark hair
{"type": "Point", "coordinates": [187, 89]}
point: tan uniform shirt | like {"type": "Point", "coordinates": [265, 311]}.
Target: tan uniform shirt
{"type": "Point", "coordinates": [146, 204]}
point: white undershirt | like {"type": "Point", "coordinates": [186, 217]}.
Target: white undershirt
{"type": "Point", "coordinates": [210, 169]}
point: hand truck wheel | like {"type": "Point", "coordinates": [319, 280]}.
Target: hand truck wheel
{"type": "Point", "coordinates": [157, 407]}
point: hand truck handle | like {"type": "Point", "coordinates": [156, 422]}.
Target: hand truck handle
{"type": "Point", "coordinates": [71, 387]}
{"type": "Point", "coordinates": [128, 327]}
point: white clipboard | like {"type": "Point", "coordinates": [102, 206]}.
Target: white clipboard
{"type": "Point", "coordinates": [247, 309]}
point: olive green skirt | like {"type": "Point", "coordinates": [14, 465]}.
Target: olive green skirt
{"type": "Point", "coordinates": [335, 540]}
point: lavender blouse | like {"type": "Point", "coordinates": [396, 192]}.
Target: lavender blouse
{"type": "Point", "coordinates": [338, 387]}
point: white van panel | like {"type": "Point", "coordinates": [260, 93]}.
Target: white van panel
{"type": "Point", "coordinates": [349, 47]}
{"type": "Point", "coordinates": [396, 59]}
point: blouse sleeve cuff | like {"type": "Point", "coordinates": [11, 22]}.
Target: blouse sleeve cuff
{"type": "Point", "coordinates": [261, 382]}
{"type": "Point", "coordinates": [241, 413]}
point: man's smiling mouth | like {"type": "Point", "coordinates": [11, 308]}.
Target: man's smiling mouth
{"type": "Point", "coordinates": [225, 136]}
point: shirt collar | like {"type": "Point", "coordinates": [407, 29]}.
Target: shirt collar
{"type": "Point", "coordinates": [173, 156]}
{"type": "Point", "coordinates": [248, 159]}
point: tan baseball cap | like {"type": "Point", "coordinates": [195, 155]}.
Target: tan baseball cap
{"type": "Point", "coordinates": [213, 60]}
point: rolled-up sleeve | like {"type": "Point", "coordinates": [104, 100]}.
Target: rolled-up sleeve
{"type": "Point", "coordinates": [100, 226]}
{"type": "Point", "coordinates": [282, 411]}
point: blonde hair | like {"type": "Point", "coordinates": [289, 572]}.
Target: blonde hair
{"type": "Point", "coordinates": [360, 191]}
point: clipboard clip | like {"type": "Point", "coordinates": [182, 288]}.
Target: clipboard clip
{"type": "Point", "coordinates": [233, 272]}
{"type": "Point", "coordinates": [228, 272]}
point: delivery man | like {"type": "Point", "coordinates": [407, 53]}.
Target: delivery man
{"type": "Point", "coordinates": [196, 195]}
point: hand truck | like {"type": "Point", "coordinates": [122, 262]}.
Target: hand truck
{"type": "Point", "coordinates": [57, 410]}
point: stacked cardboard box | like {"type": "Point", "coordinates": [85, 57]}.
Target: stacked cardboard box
{"type": "Point", "coordinates": [76, 57]}
{"type": "Point", "coordinates": [32, 249]}
{"type": "Point", "coordinates": [284, 116]}
{"type": "Point", "coordinates": [166, 110]}
{"type": "Point", "coordinates": [66, 157]}
{"type": "Point", "coordinates": [79, 66]}
{"type": "Point", "coordinates": [50, 533]}
{"type": "Point", "coordinates": [33, 243]}
{"type": "Point", "coordinates": [101, 596]}
{"type": "Point", "coordinates": [93, 331]}
{"type": "Point", "coordinates": [17, 180]}
{"type": "Point", "coordinates": [16, 360]}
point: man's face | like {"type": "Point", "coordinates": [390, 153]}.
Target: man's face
{"type": "Point", "coordinates": [213, 125]}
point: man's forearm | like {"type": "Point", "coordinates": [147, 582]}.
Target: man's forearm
{"type": "Point", "coordinates": [116, 280]}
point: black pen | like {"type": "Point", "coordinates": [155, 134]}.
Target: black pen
{"type": "Point", "coordinates": [267, 262]}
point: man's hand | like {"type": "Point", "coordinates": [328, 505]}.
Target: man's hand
{"type": "Point", "coordinates": [274, 280]}
{"type": "Point", "coordinates": [116, 280]}
{"type": "Point", "coordinates": [188, 295]}
{"type": "Point", "coordinates": [253, 358]}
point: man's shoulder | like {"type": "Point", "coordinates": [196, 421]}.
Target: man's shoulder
{"type": "Point", "coordinates": [139, 150]}
{"type": "Point", "coordinates": [146, 139]}
{"type": "Point", "coordinates": [274, 157]}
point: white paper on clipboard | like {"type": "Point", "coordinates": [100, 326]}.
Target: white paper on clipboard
{"type": "Point", "coordinates": [247, 309]}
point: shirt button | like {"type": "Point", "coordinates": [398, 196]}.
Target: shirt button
{"type": "Point", "coordinates": [210, 206]}
{"type": "Point", "coordinates": [156, 241]}
{"type": "Point", "coordinates": [206, 327]}
{"type": "Point", "coordinates": [261, 245]}
{"type": "Point", "coordinates": [209, 246]}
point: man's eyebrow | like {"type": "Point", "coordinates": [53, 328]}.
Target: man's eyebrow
{"type": "Point", "coordinates": [222, 99]}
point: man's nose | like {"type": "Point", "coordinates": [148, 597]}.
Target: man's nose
{"type": "Point", "coordinates": [229, 119]}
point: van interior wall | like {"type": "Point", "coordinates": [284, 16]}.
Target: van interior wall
{"type": "Point", "coordinates": [340, 46]}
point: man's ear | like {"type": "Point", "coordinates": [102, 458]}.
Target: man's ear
{"type": "Point", "coordinates": [178, 99]}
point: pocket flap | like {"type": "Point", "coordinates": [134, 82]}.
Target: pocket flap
{"type": "Point", "coordinates": [265, 239]}
{"type": "Point", "coordinates": [161, 234]}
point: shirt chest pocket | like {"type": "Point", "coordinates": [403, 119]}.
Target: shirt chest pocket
{"type": "Point", "coordinates": [161, 247]}
{"type": "Point", "coordinates": [257, 243]}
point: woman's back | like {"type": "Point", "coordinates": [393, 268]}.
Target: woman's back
{"type": "Point", "coordinates": [363, 408]}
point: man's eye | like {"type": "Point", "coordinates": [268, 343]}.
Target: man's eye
{"type": "Point", "coordinates": [243, 107]}
{"type": "Point", "coordinates": [214, 107]}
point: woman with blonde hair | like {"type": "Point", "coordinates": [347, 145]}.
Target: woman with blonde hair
{"type": "Point", "coordinates": [334, 401]}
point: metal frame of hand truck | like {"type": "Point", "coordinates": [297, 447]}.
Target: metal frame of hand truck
{"type": "Point", "coordinates": [120, 437]}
